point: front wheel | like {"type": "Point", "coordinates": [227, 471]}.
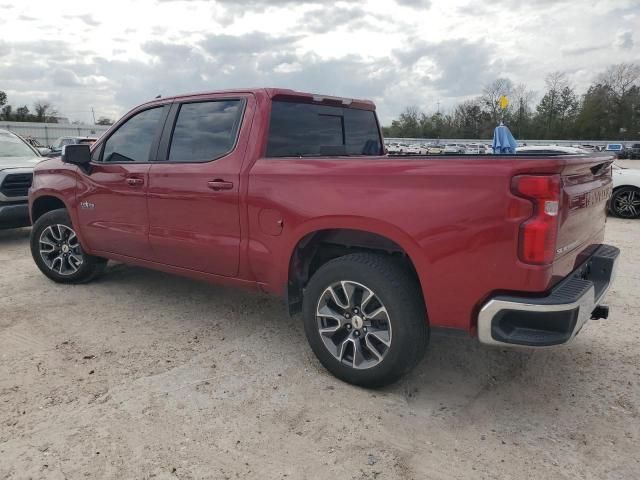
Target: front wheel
{"type": "Point", "coordinates": [625, 202]}
{"type": "Point", "coordinates": [57, 252]}
{"type": "Point", "coordinates": [365, 319]}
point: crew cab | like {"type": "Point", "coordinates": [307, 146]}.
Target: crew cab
{"type": "Point", "coordinates": [292, 194]}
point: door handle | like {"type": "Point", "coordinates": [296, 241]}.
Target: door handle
{"type": "Point", "coordinates": [133, 181]}
{"type": "Point", "coordinates": [220, 185]}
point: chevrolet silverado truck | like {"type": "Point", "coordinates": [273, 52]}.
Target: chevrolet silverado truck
{"type": "Point", "coordinates": [292, 194]}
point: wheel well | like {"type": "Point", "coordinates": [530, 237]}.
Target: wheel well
{"type": "Point", "coordinates": [43, 205]}
{"type": "Point", "coordinates": [317, 248]}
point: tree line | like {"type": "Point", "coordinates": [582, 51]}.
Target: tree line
{"type": "Point", "coordinates": [609, 109]}
{"type": "Point", "coordinates": [42, 112]}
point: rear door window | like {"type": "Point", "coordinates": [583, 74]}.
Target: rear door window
{"type": "Point", "coordinates": [307, 130]}
{"type": "Point", "coordinates": [205, 131]}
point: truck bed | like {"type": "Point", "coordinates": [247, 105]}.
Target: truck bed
{"type": "Point", "coordinates": [455, 216]}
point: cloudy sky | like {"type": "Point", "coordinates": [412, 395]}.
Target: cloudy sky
{"type": "Point", "coordinates": [112, 55]}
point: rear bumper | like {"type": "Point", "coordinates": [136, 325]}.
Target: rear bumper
{"type": "Point", "coordinates": [14, 215]}
{"type": "Point", "coordinates": [556, 318]}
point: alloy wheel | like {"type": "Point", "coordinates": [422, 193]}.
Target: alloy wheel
{"type": "Point", "coordinates": [354, 324]}
{"type": "Point", "coordinates": [627, 204]}
{"type": "Point", "coordinates": [60, 249]}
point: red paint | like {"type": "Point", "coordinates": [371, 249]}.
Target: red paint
{"type": "Point", "coordinates": [456, 217]}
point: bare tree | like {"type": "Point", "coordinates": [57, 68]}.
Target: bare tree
{"type": "Point", "coordinates": [44, 111]}
{"type": "Point", "coordinates": [491, 94]}
{"type": "Point", "coordinates": [521, 100]}
{"type": "Point", "coordinates": [549, 107]}
{"type": "Point", "coordinates": [620, 78]}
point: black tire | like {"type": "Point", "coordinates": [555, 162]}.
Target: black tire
{"type": "Point", "coordinates": [73, 272]}
{"type": "Point", "coordinates": [398, 291]}
{"type": "Point", "coordinates": [625, 202]}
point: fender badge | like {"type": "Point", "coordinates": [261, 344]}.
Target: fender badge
{"type": "Point", "coordinates": [87, 205]}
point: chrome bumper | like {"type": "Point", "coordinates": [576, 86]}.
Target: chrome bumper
{"type": "Point", "coordinates": [556, 318]}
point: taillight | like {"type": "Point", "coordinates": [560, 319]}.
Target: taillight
{"type": "Point", "coordinates": [538, 234]}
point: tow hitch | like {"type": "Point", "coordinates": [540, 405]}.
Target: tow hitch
{"type": "Point", "coordinates": [601, 311]}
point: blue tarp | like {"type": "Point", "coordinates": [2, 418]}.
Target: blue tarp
{"type": "Point", "coordinates": [503, 141]}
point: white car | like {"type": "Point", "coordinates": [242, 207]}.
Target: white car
{"type": "Point", "coordinates": [453, 149]}
{"type": "Point", "coordinates": [435, 149]}
{"type": "Point", "coordinates": [625, 201]}
{"type": "Point", "coordinates": [474, 149]}
{"type": "Point", "coordinates": [416, 150]}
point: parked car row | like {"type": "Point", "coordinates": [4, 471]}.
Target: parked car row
{"type": "Point", "coordinates": [55, 150]}
{"type": "Point", "coordinates": [438, 149]}
{"type": "Point", "coordinates": [622, 151]}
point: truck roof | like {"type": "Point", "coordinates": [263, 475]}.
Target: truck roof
{"type": "Point", "coordinates": [283, 94]}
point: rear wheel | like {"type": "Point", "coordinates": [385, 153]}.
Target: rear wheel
{"type": "Point", "coordinates": [365, 319]}
{"type": "Point", "coordinates": [57, 252]}
{"type": "Point", "coordinates": [625, 202]}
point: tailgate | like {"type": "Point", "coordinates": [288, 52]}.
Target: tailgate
{"type": "Point", "coordinates": [586, 185]}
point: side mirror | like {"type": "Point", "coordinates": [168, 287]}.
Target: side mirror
{"type": "Point", "coordinates": [77, 154]}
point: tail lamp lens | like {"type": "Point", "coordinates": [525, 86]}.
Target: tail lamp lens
{"type": "Point", "coordinates": [538, 234]}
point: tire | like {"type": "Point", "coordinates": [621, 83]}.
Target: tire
{"type": "Point", "coordinates": [625, 202]}
{"type": "Point", "coordinates": [57, 252]}
{"type": "Point", "coordinates": [395, 290]}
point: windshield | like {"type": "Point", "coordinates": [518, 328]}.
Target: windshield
{"type": "Point", "coordinates": [12, 146]}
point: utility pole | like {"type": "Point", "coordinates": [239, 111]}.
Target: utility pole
{"type": "Point", "coordinates": [94, 116]}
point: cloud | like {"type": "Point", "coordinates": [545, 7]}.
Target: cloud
{"type": "Point", "coordinates": [5, 48]}
{"type": "Point", "coordinates": [451, 64]}
{"type": "Point", "coordinates": [168, 52]}
{"type": "Point", "coordinates": [249, 43]}
{"type": "Point", "coordinates": [582, 50]}
{"type": "Point", "coordinates": [415, 3]}
{"type": "Point", "coordinates": [64, 77]}
{"type": "Point", "coordinates": [323, 20]}
{"type": "Point", "coordinates": [624, 40]}
{"type": "Point", "coordinates": [86, 18]}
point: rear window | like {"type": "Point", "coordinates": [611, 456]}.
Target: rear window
{"type": "Point", "coordinates": [307, 130]}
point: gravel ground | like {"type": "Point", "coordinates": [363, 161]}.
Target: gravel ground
{"type": "Point", "coordinates": [146, 375]}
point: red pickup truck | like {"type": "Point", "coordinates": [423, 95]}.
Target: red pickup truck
{"type": "Point", "coordinates": [292, 194]}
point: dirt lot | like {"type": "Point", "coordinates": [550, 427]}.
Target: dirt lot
{"type": "Point", "coordinates": [145, 375]}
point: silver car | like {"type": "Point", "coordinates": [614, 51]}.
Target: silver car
{"type": "Point", "coordinates": [17, 159]}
